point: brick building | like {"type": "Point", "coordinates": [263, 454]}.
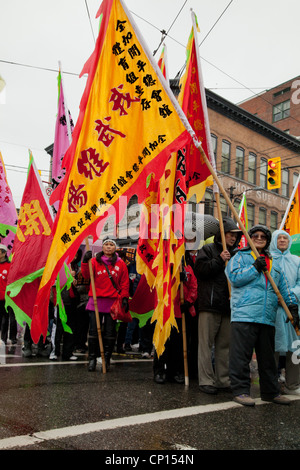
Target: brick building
{"type": "Point", "coordinates": [243, 143]}
{"type": "Point", "coordinates": [279, 106]}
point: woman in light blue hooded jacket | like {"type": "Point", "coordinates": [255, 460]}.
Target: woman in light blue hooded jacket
{"type": "Point", "coordinates": [286, 339]}
{"type": "Point", "coordinates": [253, 313]}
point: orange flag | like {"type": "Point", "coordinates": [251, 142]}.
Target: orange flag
{"type": "Point", "coordinates": [161, 243]}
{"type": "Point", "coordinates": [128, 126]}
{"type": "Point", "coordinates": [193, 102]}
{"type": "Point", "coordinates": [291, 220]}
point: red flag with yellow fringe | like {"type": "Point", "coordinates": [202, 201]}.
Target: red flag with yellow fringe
{"type": "Point", "coordinates": [161, 243]}
{"type": "Point", "coordinates": [192, 99]}
{"type": "Point", "coordinates": [127, 127]}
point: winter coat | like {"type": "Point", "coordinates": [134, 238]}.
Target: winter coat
{"type": "Point", "coordinates": [189, 293]}
{"type": "Point", "coordinates": [213, 292]}
{"type": "Point", "coordinates": [103, 284]}
{"type": "Point", "coordinates": [253, 299]}
{"type": "Point", "coordinates": [4, 269]}
{"type": "Point", "coordinates": [289, 264]}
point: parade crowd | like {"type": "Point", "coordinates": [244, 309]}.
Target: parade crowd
{"type": "Point", "coordinates": [230, 308]}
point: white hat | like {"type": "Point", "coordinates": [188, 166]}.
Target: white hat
{"type": "Point", "coordinates": [3, 247]}
{"type": "Point", "coordinates": [109, 240]}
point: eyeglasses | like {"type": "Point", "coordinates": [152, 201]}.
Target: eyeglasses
{"type": "Point", "coordinates": [256, 236]}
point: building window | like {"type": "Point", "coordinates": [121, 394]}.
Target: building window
{"type": "Point", "coordinates": [209, 202]}
{"type": "Point", "coordinates": [252, 168]}
{"type": "Point", "coordinates": [225, 159]}
{"type": "Point", "coordinates": [263, 172]}
{"type": "Point", "coordinates": [214, 141]}
{"type": "Point", "coordinates": [295, 179]}
{"type": "Point", "coordinates": [239, 165]}
{"type": "Point", "coordinates": [285, 183]}
{"type": "Point", "coordinates": [273, 221]}
{"type": "Point", "coordinates": [224, 206]}
{"type": "Point", "coordinates": [262, 216]}
{"type": "Point", "coordinates": [281, 110]}
{"type": "Point", "coordinates": [250, 213]}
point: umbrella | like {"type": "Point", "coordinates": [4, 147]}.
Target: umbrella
{"type": "Point", "coordinates": [295, 247]}
{"type": "Point", "coordinates": [203, 225]}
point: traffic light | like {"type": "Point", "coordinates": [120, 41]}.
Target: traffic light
{"type": "Point", "coordinates": [274, 173]}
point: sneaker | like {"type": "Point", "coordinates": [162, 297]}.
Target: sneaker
{"type": "Point", "coordinates": [146, 355]}
{"type": "Point", "coordinates": [279, 400]}
{"type": "Point", "coordinates": [73, 358]}
{"type": "Point", "coordinates": [289, 391]}
{"type": "Point", "coordinates": [53, 357]}
{"type": "Point", "coordinates": [244, 399]}
{"type": "Point", "coordinates": [127, 347]}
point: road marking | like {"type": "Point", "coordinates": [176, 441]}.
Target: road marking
{"type": "Point", "coordinates": [72, 431]}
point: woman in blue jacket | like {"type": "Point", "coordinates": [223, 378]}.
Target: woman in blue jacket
{"type": "Point", "coordinates": [286, 339]}
{"type": "Point", "coordinates": [253, 313]}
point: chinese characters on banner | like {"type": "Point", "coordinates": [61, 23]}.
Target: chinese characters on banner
{"type": "Point", "coordinates": [128, 123]}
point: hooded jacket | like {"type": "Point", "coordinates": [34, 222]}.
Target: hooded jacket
{"type": "Point", "coordinates": [290, 265]}
{"type": "Point", "coordinates": [213, 292]}
{"type": "Point", "coordinates": [253, 299]}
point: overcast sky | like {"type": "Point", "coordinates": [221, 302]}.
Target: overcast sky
{"type": "Point", "coordinates": [245, 47]}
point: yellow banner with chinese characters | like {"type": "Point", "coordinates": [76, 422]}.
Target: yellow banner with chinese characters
{"type": "Point", "coordinates": [128, 126]}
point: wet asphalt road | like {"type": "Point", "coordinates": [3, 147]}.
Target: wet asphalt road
{"type": "Point", "coordinates": [47, 405]}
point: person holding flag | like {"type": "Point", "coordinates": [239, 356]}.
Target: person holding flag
{"type": "Point", "coordinates": [7, 318]}
{"type": "Point", "coordinates": [253, 313]}
{"type": "Point", "coordinates": [108, 269]}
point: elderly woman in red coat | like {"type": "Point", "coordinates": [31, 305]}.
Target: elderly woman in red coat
{"type": "Point", "coordinates": [105, 264]}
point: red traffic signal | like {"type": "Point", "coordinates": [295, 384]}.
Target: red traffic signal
{"type": "Point", "coordinates": [274, 173]}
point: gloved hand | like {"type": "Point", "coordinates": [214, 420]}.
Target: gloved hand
{"type": "Point", "coordinates": [183, 276]}
{"type": "Point", "coordinates": [260, 264]}
{"type": "Point", "coordinates": [293, 308]}
{"type": "Point", "coordinates": [125, 304]}
{"type": "Point", "coordinates": [185, 307]}
{"type": "Point", "coordinates": [88, 255]}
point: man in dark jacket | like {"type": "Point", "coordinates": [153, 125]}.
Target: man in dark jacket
{"type": "Point", "coordinates": [214, 309]}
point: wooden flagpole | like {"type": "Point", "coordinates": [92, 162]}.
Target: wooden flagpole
{"type": "Point", "coordinates": [96, 309]}
{"type": "Point", "coordinates": [211, 169]}
{"type": "Point", "coordinates": [185, 356]}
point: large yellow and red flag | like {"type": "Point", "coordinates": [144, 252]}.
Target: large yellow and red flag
{"type": "Point", "coordinates": [192, 99]}
{"type": "Point", "coordinates": [127, 127]}
{"type": "Point", "coordinates": [291, 220]}
{"type": "Point", "coordinates": [161, 243]}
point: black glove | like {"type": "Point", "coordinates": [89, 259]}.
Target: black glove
{"type": "Point", "coordinates": [125, 304]}
{"type": "Point", "coordinates": [260, 264]}
{"type": "Point", "coordinates": [88, 255]}
{"type": "Point", "coordinates": [185, 307]}
{"type": "Point", "coordinates": [183, 276]}
{"type": "Point", "coordinates": [293, 308]}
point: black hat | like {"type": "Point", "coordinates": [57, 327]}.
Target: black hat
{"type": "Point", "coordinates": [261, 228]}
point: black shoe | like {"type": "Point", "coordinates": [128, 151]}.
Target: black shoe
{"type": "Point", "coordinates": [92, 365]}
{"type": "Point", "coordinates": [179, 378]}
{"type": "Point", "coordinates": [210, 389]}
{"type": "Point", "coordinates": [160, 378]}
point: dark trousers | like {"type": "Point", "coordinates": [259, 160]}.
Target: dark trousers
{"type": "Point", "coordinates": [7, 322]}
{"type": "Point", "coordinates": [108, 332]}
{"type": "Point", "coordinates": [245, 338]}
{"type": "Point", "coordinates": [170, 362]}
